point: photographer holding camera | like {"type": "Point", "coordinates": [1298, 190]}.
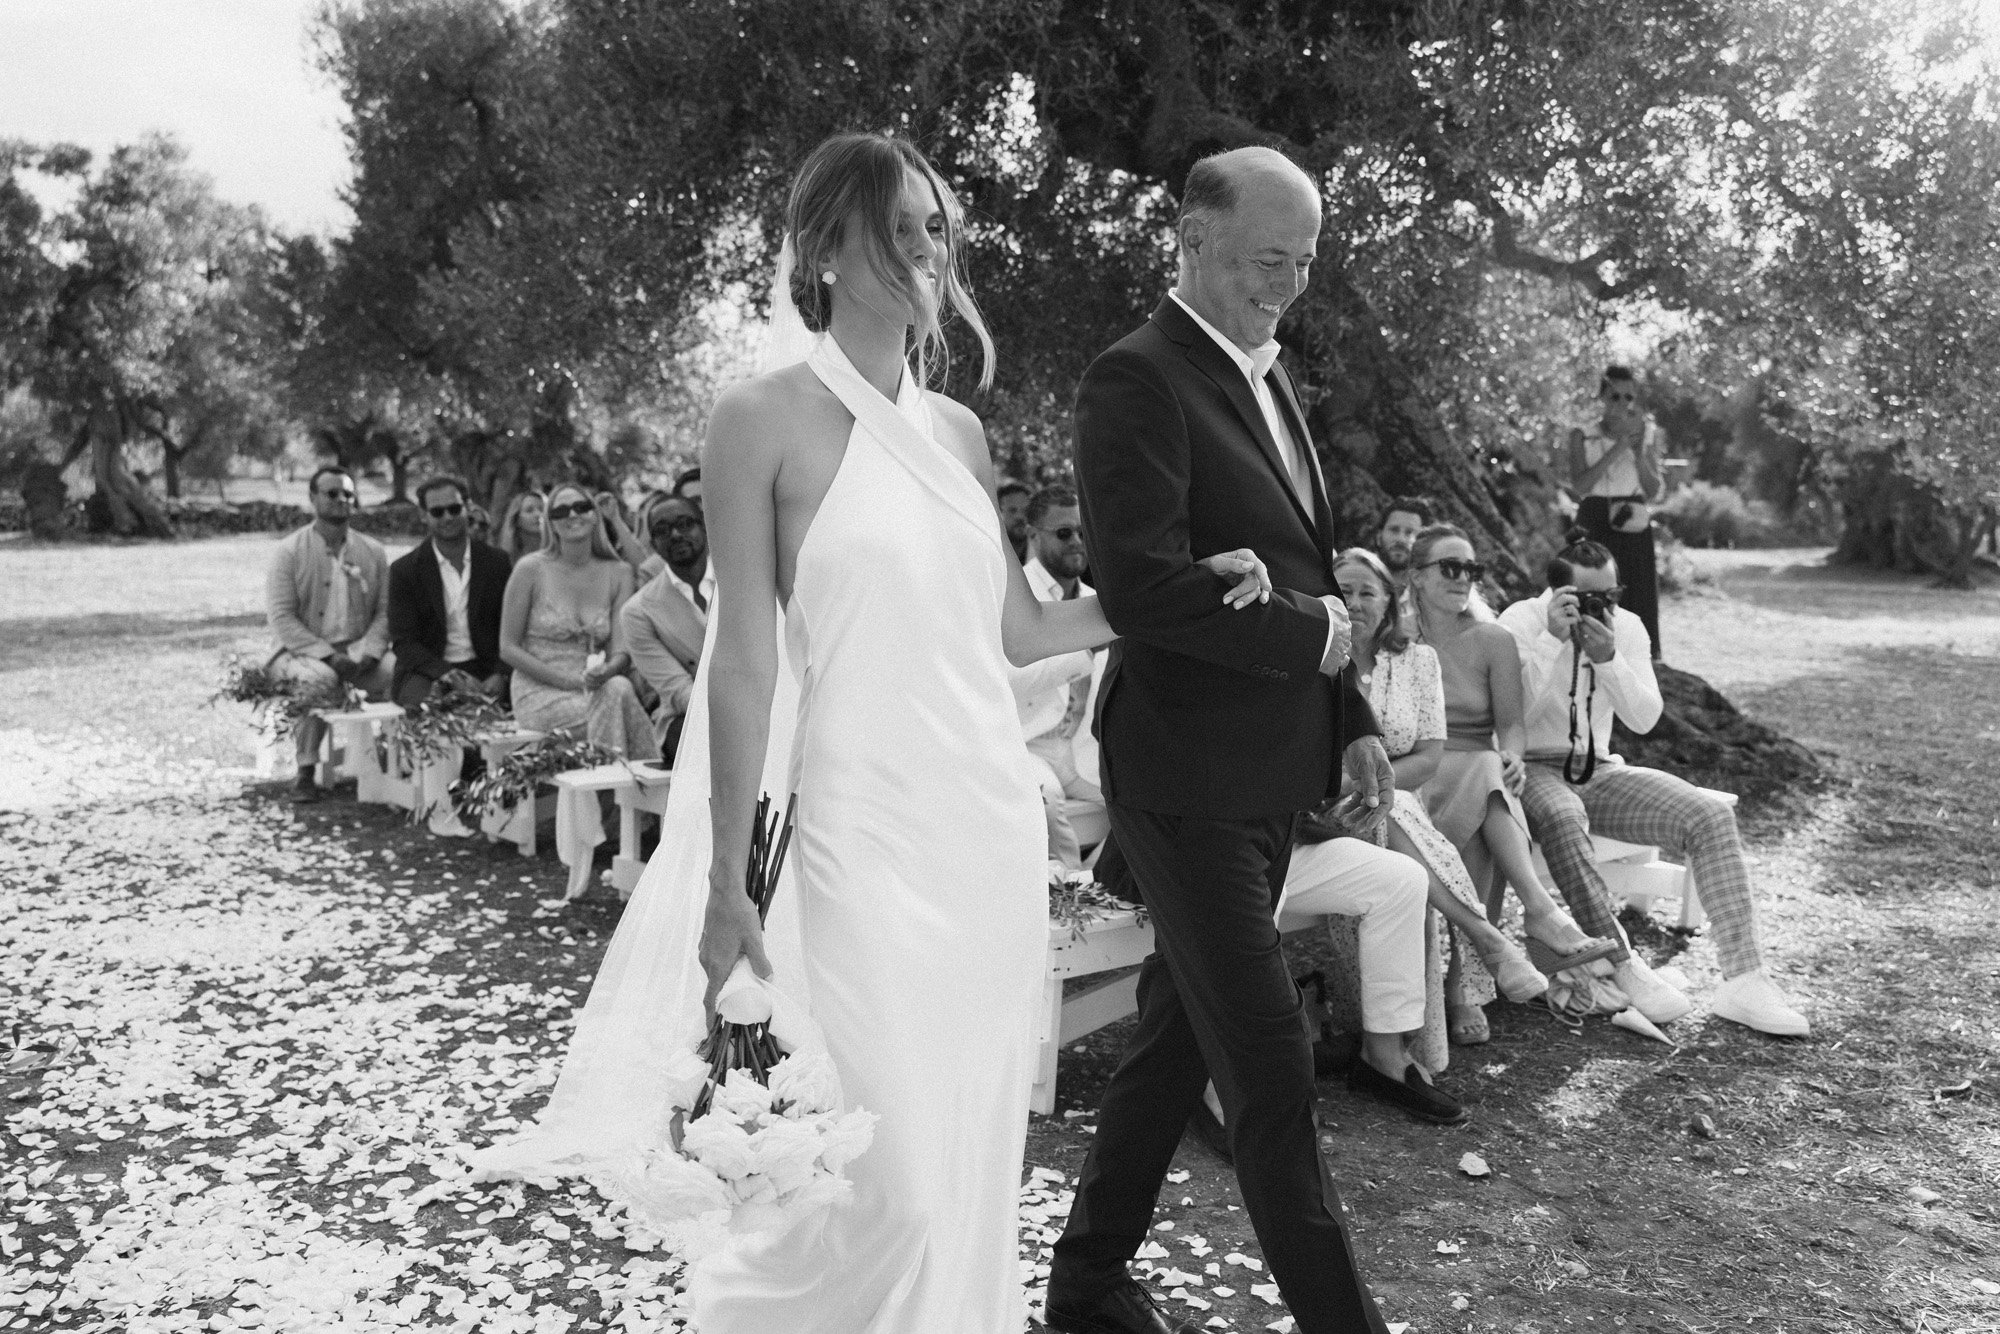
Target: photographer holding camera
{"type": "Point", "coordinates": [1584, 659]}
{"type": "Point", "coordinates": [1615, 471]}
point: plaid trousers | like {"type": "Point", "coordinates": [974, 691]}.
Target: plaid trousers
{"type": "Point", "coordinates": [1637, 805]}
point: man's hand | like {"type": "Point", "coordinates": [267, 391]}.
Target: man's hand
{"type": "Point", "coordinates": [1367, 763]}
{"type": "Point", "coordinates": [1562, 611]}
{"type": "Point", "coordinates": [1600, 644]}
{"type": "Point", "coordinates": [494, 685]}
{"type": "Point", "coordinates": [459, 682]}
{"type": "Point", "coordinates": [363, 666]}
{"type": "Point", "coordinates": [344, 667]}
{"type": "Point", "coordinates": [1340, 645]}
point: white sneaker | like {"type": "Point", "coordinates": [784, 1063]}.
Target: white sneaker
{"type": "Point", "coordinates": [1650, 996]}
{"type": "Point", "coordinates": [1753, 1000]}
{"type": "Point", "coordinates": [444, 822]}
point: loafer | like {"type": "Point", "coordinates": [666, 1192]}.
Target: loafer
{"type": "Point", "coordinates": [305, 791]}
{"type": "Point", "coordinates": [1126, 1309]}
{"type": "Point", "coordinates": [1412, 1093]}
{"type": "Point", "coordinates": [1753, 1000]}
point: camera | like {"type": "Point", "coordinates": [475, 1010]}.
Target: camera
{"type": "Point", "coordinates": [1597, 604]}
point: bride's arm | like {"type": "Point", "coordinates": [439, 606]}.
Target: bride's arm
{"type": "Point", "coordinates": [739, 468]}
{"type": "Point", "coordinates": [1030, 629]}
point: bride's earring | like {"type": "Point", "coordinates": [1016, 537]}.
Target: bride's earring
{"type": "Point", "coordinates": [829, 277]}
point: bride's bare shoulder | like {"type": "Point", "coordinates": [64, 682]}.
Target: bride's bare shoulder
{"type": "Point", "coordinates": [770, 409]}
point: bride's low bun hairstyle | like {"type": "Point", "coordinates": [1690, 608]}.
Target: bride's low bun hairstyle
{"type": "Point", "coordinates": [857, 180]}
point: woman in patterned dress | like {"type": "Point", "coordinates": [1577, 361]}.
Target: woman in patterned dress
{"type": "Point", "coordinates": [1406, 690]}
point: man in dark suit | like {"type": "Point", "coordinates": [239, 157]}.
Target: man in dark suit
{"type": "Point", "coordinates": [444, 613]}
{"type": "Point", "coordinates": [444, 603]}
{"type": "Point", "coordinates": [1217, 728]}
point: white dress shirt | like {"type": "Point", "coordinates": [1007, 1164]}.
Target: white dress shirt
{"type": "Point", "coordinates": [457, 627]}
{"type": "Point", "coordinates": [655, 565]}
{"type": "Point", "coordinates": [1256, 368]}
{"type": "Point", "coordinates": [1625, 685]}
{"type": "Point", "coordinates": [1055, 696]}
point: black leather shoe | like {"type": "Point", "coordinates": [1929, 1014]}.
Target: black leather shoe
{"type": "Point", "coordinates": [1209, 1130]}
{"type": "Point", "coordinates": [1412, 1093]}
{"type": "Point", "coordinates": [1126, 1309]}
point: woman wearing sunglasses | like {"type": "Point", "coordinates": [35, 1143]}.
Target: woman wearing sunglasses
{"type": "Point", "coordinates": [559, 632]}
{"type": "Point", "coordinates": [1473, 799]}
{"type": "Point", "coordinates": [1406, 691]}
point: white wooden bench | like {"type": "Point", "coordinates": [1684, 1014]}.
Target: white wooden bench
{"type": "Point", "coordinates": [362, 739]}
{"type": "Point", "coordinates": [516, 825]}
{"type": "Point", "coordinates": [580, 826]}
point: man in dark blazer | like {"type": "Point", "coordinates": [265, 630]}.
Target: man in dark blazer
{"type": "Point", "coordinates": [446, 633]}
{"type": "Point", "coordinates": [1217, 728]}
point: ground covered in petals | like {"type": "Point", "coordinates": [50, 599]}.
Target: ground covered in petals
{"type": "Point", "coordinates": [243, 1037]}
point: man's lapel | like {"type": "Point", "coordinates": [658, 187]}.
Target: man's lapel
{"type": "Point", "coordinates": [1213, 362]}
{"type": "Point", "coordinates": [427, 572]}
{"type": "Point", "coordinates": [1295, 422]}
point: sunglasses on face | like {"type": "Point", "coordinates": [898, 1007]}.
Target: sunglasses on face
{"type": "Point", "coordinates": [345, 493]}
{"type": "Point", "coordinates": [574, 510]}
{"type": "Point", "coordinates": [1066, 533]}
{"type": "Point", "coordinates": [684, 524]}
{"type": "Point", "coordinates": [444, 511]}
{"type": "Point", "coordinates": [1470, 570]}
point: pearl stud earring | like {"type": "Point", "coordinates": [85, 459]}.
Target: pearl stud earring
{"type": "Point", "coordinates": [829, 277]}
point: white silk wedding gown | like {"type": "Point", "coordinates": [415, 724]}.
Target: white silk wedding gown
{"type": "Point", "coordinates": [913, 917]}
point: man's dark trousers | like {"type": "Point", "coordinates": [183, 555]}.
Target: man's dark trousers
{"type": "Point", "coordinates": [1216, 1001]}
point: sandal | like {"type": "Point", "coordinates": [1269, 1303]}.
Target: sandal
{"type": "Point", "coordinates": [1519, 980]}
{"type": "Point", "coordinates": [1466, 1026]}
{"type": "Point", "coordinates": [1552, 961]}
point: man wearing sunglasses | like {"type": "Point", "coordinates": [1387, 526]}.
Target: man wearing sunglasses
{"type": "Point", "coordinates": [1584, 660]}
{"type": "Point", "coordinates": [666, 620]}
{"type": "Point", "coordinates": [444, 619]}
{"type": "Point", "coordinates": [1055, 694]}
{"type": "Point", "coordinates": [326, 600]}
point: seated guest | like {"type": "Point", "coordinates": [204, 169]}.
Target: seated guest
{"type": "Point", "coordinates": [444, 619]}
{"type": "Point", "coordinates": [1401, 522]}
{"type": "Point", "coordinates": [326, 598]}
{"type": "Point", "coordinates": [1473, 798]}
{"type": "Point", "coordinates": [1406, 689]}
{"type": "Point", "coordinates": [1626, 801]}
{"type": "Point", "coordinates": [559, 631]}
{"type": "Point", "coordinates": [521, 529]}
{"type": "Point", "coordinates": [1053, 695]}
{"type": "Point", "coordinates": [1014, 496]}
{"type": "Point", "coordinates": [478, 523]}
{"type": "Point", "coordinates": [1384, 893]}
{"type": "Point", "coordinates": [665, 621]}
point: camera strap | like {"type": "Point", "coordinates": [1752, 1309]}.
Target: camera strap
{"type": "Point", "coordinates": [1570, 774]}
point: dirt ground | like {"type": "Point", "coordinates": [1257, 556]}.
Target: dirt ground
{"type": "Point", "coordinates": [282, 1018]}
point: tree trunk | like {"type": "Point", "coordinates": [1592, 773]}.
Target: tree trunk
{"type": "Point", "coordinates": [170, 469]}
{"type": "Point", "coordinates": [399, 477]}
{"type": "Point", "coordinates": [120, 505]}
{"type": "Point", "coordinates": [1379, 438]}
{"type": "Point", "coordinates": [1974, 529]}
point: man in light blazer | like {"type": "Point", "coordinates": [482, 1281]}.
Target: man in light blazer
{"type": "Point", "coordinates": [666, 620]}
{"type": "Point", "coordinates": [326, 599]}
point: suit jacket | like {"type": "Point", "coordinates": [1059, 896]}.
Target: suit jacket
{"type": "Point", "coordinates": [416, 609]}
{"type": "Point", "coordinates": [663, 633]}
{"type": "Point", "coordinates": [1205, 711]}
{"type": "Point", "coordinates": [299, 583]}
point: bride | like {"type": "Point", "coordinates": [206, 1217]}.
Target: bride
{"type": "Point", "coordinates": [854, 523]}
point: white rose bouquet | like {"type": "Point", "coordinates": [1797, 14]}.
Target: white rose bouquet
{"type": "Point", "coordinates": [758, 1125]}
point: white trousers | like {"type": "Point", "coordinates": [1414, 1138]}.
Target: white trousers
{"type": "Point", "coordinates": [1055, 767]}
{"type": "Point", "coordinates": [1388, 893]}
